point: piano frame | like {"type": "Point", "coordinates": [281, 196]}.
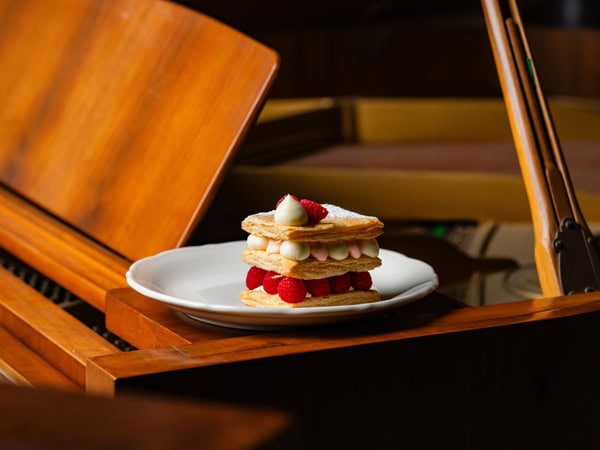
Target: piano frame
{"type": "Point", "coordinates": [118, 122]}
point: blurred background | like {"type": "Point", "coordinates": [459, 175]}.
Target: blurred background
{"type": "Point", "coordinates": [412, 47]}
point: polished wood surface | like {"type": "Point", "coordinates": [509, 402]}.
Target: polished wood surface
{"type": "Point", "coordinates": [61, 421]}
{"type": "Point", "coordinates": [547, 179]}
{"type": "Point", "coordinates": [54, 248]}
{"type": "Point", "coordinates": [435, 315]}
{"type": "Point", "coordinates": [118, 121]}
{"type": "Point", "coordinates": [47, 329]}
{"type": "Point", "coordinates": [431, 375]}
{"type": "Point", "coordinates": [146, 323]}
{"type": "Point", "coordinates": [525, 140]}
{"type": "Point", "coordinates": [20, 365]}
{"type": "Point", "coordinates": [154, 89]}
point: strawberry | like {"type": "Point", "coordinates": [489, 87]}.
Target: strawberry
{"type": "Point", "coordinates": [291, 290]}
{"type": "Point", "coordinates": [340, 283]}
{"type": "Point", "coordinates": [318, 288]}
{"type": "Point", "coordinates": [361, 281]}
{"type": "Point", "coordinates": [254, 277]}
{"type": "Point", "coordinates": [282, 198]}
{"type": "Point", "coordinates": [271, 281]}
{"type": "Point", "coordinates": [314, 210]}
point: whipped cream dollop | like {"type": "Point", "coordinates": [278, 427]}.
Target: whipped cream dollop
{"type": "Point", "coordinates": [290, 212]}
{"type": "Point", "coordinates": [299, 250]}
{"type": "Point", "coordinates": [337, 250]}
{"type": "Point", "coordinates": [369, 247]}
{"type": "Point", "coordinates": [257, 242]}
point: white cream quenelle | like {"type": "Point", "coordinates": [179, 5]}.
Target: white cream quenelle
{"type": "Point", "coordinates": [257, 242]}
{"type": "Point", "coordinates": [337, 250]}
{"type": "Point", "coordinates": [298, 251]}
{"type": "Point", "coordinates": [369, 247]}
{"type": "Point", "coordinates": [290, 212]}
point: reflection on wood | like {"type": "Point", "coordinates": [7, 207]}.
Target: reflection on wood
{"type": "Point", "coordinates": [61, 421]}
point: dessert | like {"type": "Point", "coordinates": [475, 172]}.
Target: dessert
{"type": "Point", "coordinates": [305, 254]}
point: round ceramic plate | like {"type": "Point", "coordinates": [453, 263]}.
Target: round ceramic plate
{"type": "Point", "coordinates": [204, 282]}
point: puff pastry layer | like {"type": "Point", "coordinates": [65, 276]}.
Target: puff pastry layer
{"type": "Point", "coordinates": [328, 230]}
{"type": "Point", "coordinates": [309, 269]}
{"type": "Point", "coordinates": [258, 298]}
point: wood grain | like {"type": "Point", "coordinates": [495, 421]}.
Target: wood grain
{"type": "Point", "coordinates": [118, 120]}
{"type": "Point", "coordinates": [119, 117]}
{"type": "Point", "coordinates": [20, 365]}
{"type": "Point", "coordinates": [538, 194]}
{"type": "Point", "coordinates": [147, 323]}
{"type": "Point", "coordinates": [526, 385]}
{"type": "Point", "coordinates": [47, 329]}
{"type": "Point", "coordinates": [71, 259]}
{"type": "Point", "coordinates": [61, 421]}
{"type": "Point", "coordinates": [433, 316]}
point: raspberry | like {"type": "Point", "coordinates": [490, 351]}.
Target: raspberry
{"type": "Point", "coordinates": [254, 277]}
{"type": "Point", "coordinates": [271, 281]}
{"type": "Point", "coordinates": [340, 283]}
{"type": "Point", "coordinates": [282, 198]}
{"type": "Point", "coordinates": [314, 210]}
{"type": "Point", "coordinates": [291, 290]}
{"type": "Point", "coordinates": [361, 281]}
{"type": "Point", "coordinates": [318, 288]}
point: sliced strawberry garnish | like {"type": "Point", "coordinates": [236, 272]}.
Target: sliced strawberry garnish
{"type": "Point", "coordinates": [254, 277]}
{"type": "Point", "coordinates": [340, 283]}
{"type": "Point", "coordinates": [318, 288]}
{"type": "Point", "coordinates": [315, 211]}
{"type": "Point", "coordinates": [271, 281]}
{"type": "Point", "coordinates": [291, 290]}
{"type": "Point", "coordinates": [361, 281]}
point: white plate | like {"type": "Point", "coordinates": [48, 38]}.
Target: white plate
{"type": "Point", "coordinates": [204, 282]}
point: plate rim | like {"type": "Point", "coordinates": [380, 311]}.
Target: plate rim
{"type": "Point", "coordinates": [299, 314]}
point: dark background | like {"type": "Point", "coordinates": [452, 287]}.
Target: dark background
{"type": "Point", "coordinates": [412, 47]}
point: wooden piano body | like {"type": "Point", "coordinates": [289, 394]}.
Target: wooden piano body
{"type": "Point", "coordinates": [118, 120]}
{"type": "Point", "coordinates": [434, 373]}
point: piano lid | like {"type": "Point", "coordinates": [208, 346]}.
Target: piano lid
{"type": "Point", "coordinates": [120, 117]}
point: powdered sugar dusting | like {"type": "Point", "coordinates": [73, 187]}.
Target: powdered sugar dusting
{"type": "Point", "coordinates": [334, 211]}
{"type": "Point", "coordinates": [341, 213]}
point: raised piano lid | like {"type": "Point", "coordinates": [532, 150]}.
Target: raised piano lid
{"type": "Point", "coordinates": [119, 118]}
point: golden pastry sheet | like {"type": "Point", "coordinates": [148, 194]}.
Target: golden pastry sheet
{"type": "Point", "coordinates": [259, 298]}
{"type": "Point", "coordinates": [328, 230]}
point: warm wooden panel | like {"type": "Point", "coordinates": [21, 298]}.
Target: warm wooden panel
{"type": "Point", "coordinates": [147, 323]}
{"type": "Point", "coordinates": [434, 315]}
{"type": "Point", "coordinates": [47, 329]}
{"type": "Point", "coordinates": [19, 365]}
{"type": "Point", "coordinates": [530, 385]}
{"type": "Point", "coordinates": [119, 117]}
{"type": "Point", "coordinates": [69, 258]}
{"type": "Point", "coordinates": [57, 420]}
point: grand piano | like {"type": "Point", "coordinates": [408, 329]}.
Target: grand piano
{"type": "Point", "coordinates": [74, 216]}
